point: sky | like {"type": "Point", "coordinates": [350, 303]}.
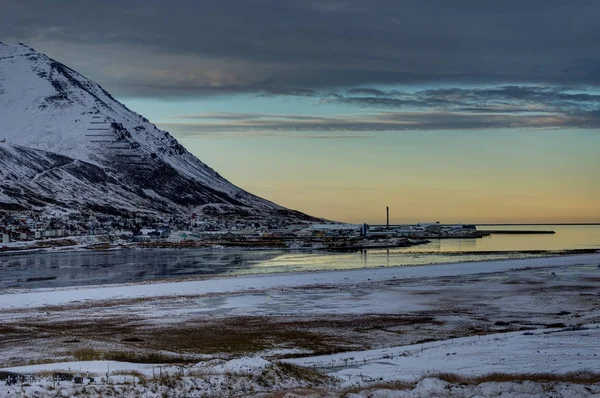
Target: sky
{"type": "Point", "coordinates": [462, 111]}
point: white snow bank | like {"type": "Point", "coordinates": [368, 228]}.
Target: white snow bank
{"type": "Point", "coordinates": [539, 351]}
{"type": "Point", "coordinates": [430, 386]}
{"type": "Point", "coordinates": [244, 365]}
{"type": "Point", "coordinates": [84, 367]}
{"type": "Point", "coordinates": [433, 387]}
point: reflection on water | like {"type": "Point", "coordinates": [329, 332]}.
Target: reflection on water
{"type": "Point", "coordinates": [450, 245]}
{"type": "Point", "coordinates": [91, 268]}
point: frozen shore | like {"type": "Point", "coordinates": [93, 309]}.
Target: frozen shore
{"type": "Point", "coordinates": [357, 327]}
{"type": "Point", "coordinates": [237, 285]}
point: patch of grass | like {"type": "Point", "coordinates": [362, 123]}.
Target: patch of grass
{"type": "Point", "coordinates": [132, 340]}
{"type": "Point", "coordinates": [91, 354]}
{"type": "Point", "coordinates": [147, 357]}
{"type": "Point", "coordinates": [234, 335]}
{"type": "Point", "coordinates": [583, 377]}
{"type": "Point", "coordinates": [87, 354]}
{"type": "Point", "coordinates": [169, 380]}
{"type": "Point", "coordinates": [392, 385]}
{"type": "Point", "coordinates": [302, 373]}
{"type": "Point", "coordinates": [76, 329]}
{"type": "Point", "coordinates": [366, 322]}
{"type": "Point", "coordinates": [5, 329]}
{"type": "Point", "coordinates": [241, 335]}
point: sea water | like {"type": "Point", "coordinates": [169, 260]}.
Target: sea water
{"type": "Point", "coordinates": [63, 269]}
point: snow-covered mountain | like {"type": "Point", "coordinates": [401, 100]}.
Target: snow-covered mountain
{"type": "Point", "coordinates": [70, 144]}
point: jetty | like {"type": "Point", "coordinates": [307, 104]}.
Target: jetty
{"type": "Point", "coordinates": [517, 232]}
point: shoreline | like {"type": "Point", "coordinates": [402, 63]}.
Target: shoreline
{"type": "Point", "coordinates": [199, 245]}
{"type": "Point", "coordinates": [236, 284]}
{"type": "Point", "coordinates": [219, 246]}
{"type": "Point", "coordinates": [535, 255]}
{"type": "Point", "coordinates": [355, 326]}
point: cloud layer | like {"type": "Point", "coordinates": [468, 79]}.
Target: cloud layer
{"type": "Point", "coordinates": [501, 64]}
{"type": "Point", "coordinates": [439, 109]}
{"type": "Point", "coordinates": [189, 47]}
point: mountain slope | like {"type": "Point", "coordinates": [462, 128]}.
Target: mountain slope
{"type": "Point", "coordinates": [49, 110]}
{"type": "Point", "coordinates": [32, 178]}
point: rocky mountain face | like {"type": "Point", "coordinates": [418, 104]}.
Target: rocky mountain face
{"type": "Point", "coordinates": [70, 145]}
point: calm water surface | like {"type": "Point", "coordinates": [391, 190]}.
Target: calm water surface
{"type": "Point", "coordinates": [567, 237]}
{"type": "Point", "coordinates": [90, 268]}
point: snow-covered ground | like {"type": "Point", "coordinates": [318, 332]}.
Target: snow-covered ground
{"type": "Point", "coordinates": [354, 374]}
{"type": "Point", "coordinates": [242, 365]}
{"type": "Point", "coordinates": [373, 325]}
{"type": "Point", "coordinates": [245, 376]}
{"type": "Point", "coordinates": [537, 351]}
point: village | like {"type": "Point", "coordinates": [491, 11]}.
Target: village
{"type": "Point", "coordinates": [31, 230]}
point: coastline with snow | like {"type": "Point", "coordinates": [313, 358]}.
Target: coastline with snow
{"type": "Point", "coordinates": [357, 329]}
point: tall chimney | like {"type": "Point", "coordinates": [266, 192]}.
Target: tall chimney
{"type": "Point", "coordinates": [387, 214]}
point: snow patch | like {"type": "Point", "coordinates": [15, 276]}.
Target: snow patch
{"type": "Point", "coordinates": [242, 366]}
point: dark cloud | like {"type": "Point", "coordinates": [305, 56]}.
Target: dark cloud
{"type": "Point", "coordinates": [296, 92]}
{"type": "Point", "coordinates": [247, 116]}
{"type": "Point", "coordinates": [302, 47]}
{"type": "Point", "coordinates": [367, 91]}
{"type": "Point", "coordinates": [501, 99]}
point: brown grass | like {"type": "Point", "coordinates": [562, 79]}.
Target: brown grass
{"type": "Point", "coordinates": [582, 377]}
{"type": "Point", "coordinates": [233, 335]}
{"type": "Point", "coordinates": [393, 385]}
{"type": "Point", "coordinates": [590, 279]}
{"type": "Point", "coordinates": [87, 354]}
{"type": "Point", "coordinates": [299, 392]}
{"type": "Point", "coordinates": [147, 357]}
{"type": "Point", "coordinates": [365, 322]}
{"type": "Point", "coordinates": [91, 354]}
{"type": "Point", "coordinates": [302, 373]}
{"type": "Point", "coordinates": [251, 334]}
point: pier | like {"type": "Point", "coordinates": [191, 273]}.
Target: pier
{"type": "Point", "coordinates": [517, 232]}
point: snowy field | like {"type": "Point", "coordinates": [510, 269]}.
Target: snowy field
{"type": "Point", "coordinates": [546, 350]}
{"type": "Point", "coordinates": [350, 331]}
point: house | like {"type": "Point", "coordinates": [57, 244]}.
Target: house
{"type": "Point", "coordinates": [304, 233]}
{"type": "Point", "coordinates": [159, 233]}
{"type": "Point", "coordinates": [248, 231]}
{"type": "Point", "coordinates": [431, 226]}
{"type": "Point", "coordinates": [229, 235]}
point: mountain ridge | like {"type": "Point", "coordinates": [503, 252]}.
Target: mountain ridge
{"type": "Point", "coordinates": [48, 108]}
